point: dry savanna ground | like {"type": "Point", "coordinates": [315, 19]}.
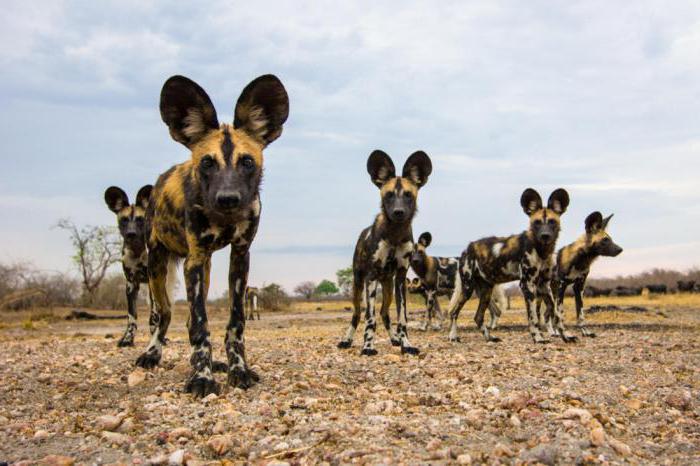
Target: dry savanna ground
{"type": "Point", "coordinates": [68, 394]}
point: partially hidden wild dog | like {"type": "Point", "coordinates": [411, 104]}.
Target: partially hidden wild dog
{"type": "Point", "coordinates": [573, 265]}
{"type": "Point", "coordinates": [251, 300]}
{"type": "Point", "coordinates": [383, 250]}
{"type": "Point", "coordinates": [131, 221]}
{"type": "Point", "coordinates": [207, 203]}
{"type": "Point", "coordinates": [437, 277]}
{"type": "Point", "coordinates": [527, 257]}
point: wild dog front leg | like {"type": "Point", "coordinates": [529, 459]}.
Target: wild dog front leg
{"type": "Point", "coordinates": [402, 327]}
{"type": "Point", "coordinates": [429, 309]}
{"type": "Point", "coordinates": [460, 295]}
{"type": "Point", "coordinates": [484, 300]}
{"type": "Point", "coordinates": [580, 315]}
{"type": "Point", "coordinates": [529, 288]}
{"type": "Point", "coordinates": [160, 315]}
{"type": "Point", "coordinates": [201, 380]}
{"type": "Point", "coordinates": [438, 313]}
{"type": "Point", "coordinates": [557, 316]}
{"type": "Point", "coordinates": [357, 291]}
{"type": "Point", "coordinates": [132, 292]}
{"type": "Point", "coordinates": [239, 374]}
{"type": "Point", "coordinates": [370, 318]}
{"type": "Point", "coordinates": [384, 311]}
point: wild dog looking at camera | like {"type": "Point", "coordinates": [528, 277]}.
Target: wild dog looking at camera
{"type": "Point", "coordinates": [251, 302]}
{"type": "Point", "coordinates": [574, 263]}
{"type": "Point", "coordinates": [527, 257]}
{"type": "Point", "coordinates": [207, 203]}
{"type": "Point", "coordinates": [131, 219]}
{"type": "Point", "coordinates": [383, 249]}
{"type": "Point", "coordinates": [437, 277]}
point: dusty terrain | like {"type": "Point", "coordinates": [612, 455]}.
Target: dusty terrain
{"type": "Point", "coordinates": [629, 396]}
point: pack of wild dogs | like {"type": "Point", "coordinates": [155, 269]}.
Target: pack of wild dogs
{"type": "Point", "coordinates": [212, 201]}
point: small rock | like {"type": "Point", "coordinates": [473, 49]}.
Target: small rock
{"type": "Point", "coordinates": [127, 426]}
{"type": "Point", "coordinates": [464, 458]}
{"type": "Point", "coordinates": [41, 434]}
{"type": "Point", "coordinates": [515, 401]}
{"type": "Point", "coordinates": [515, 420]}
{"type": "Point", "coordinates": [219, 427]}
{"type": "Point", "coordinates": [624, 391]}
{"type": "Point", "coordinates": [634, 404]}
{"type": "Point", "coordinates": [209, 398]}
{"type": "Point", "coordinates": [181, 432]}
{"type": "Point", "coordinates": [475, 418]}
{"type": "Point", "coordinates": [136, 377]}
{"type": "Point", "coordinates": [220, 444]}
{"type": "Point", "coordinates": [597, 437]}
{"type": "Point", "coordinates": [115, 438]}
{"type": "Point", "coordinates": [57, 460]}
{"type": "Point", "coordinates": [433, 444]}
{"type": "Point", "coordinates": [502, 449]}
{"type": "Point", "coordinates": [679, 399]}
{"type": "Point", "coordinates": [176, 458]}
{"type": "Point", "coordinates": [158, 460]}
{"type": "Point", "coordinates": [281, 446]}
{"type": "Point", "coordinates": [621, 448]}
{"type": "Point", "coordinates": [583, 415]}
{"type": "Point", "coordinates": [493, 391]}
{"type": "Point", "coordinates": [544, 453]}
{"type": "Point", "coordinates": [108, 422]}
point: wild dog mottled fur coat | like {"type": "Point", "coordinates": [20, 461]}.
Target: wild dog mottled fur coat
{"type": "Point", "coordinates": [383, 249]}
{"type": "Point", "coordinates": [527, 257]}
{"type": "Point", "coordinates": [207, 203]}
{"type": "Point", "coordinates": [437, 276]}
{"type": "Point", "coordinates": [574, 263]}
{"type": "Point", "coordinates": [131, 220]}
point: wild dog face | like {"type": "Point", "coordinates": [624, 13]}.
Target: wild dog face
{"type": "Point", "coordinates": [544, 221]}
{"type": "Point", "coordinates": [597, 238]}
{"type": "Point", "coordinates": [226, 160]}
{"type": "Point", "coordinates": [419, 256]}
{"type": "Point", "coordinates": [131, 218]}
{"type": "Point", "coordinates": [399, 194]}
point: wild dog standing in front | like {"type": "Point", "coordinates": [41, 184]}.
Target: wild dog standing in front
{"type": "Point", "coordinates": [251, 302]}
{"type": "Point", "coordinates": [207, 203]}
{"type": "Point", "coordinates": [383, 249]}
{"type": "Point", "coordinates": [131, 219]}
{"type": "Point", "coordinates": [574, 264]}
{"type": "Point", "coordinates": [437, 277]}
{"type": "Point", "coordinates": [528, 257]}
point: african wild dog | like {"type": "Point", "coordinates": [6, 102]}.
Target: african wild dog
{"type": "Point", "coordinates": [251, 302]}
{"type": "Point", "coordinates": [659, 288]}
{"type": "Point", "coordinates": [383, 249]}
{"type": "Point", "coordinates": [207, 203]}
{"type": "Point", "coordinates": [437, 278]}
{"type": "Point", "coordinates": [686, 286]}
{"type": "Point", "coordinates": [528, 257]}
{"type": "Point", "coordinates": [574, 264]}
{"type": "Point", "coordinates": [131, 219]}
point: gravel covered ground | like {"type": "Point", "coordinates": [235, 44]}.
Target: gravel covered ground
{"type": "Point", "coordinates": [629, 396]}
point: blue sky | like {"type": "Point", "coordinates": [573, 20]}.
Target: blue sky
{"type": "Point", "coordinates": [598, 97]}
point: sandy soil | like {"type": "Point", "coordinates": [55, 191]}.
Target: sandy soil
{"type": "Point", "coordinates": [68, 394]}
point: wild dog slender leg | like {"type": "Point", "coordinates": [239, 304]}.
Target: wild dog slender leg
{"type": "Point", "coordinates": [160, 318]}
{"type": "Point", "coordinates": [370, 319]}
{"type": "Point", "coordinates": [132, 292]}
{"type": "Point", "coordinates": [580, 316]}
{"type": "Point", "coordinates": [459, 297]}
{"type": "Point", "coordinates": [440, 315]}
{"type": "Point", "coordinates": [239, 374]}
{"type": "Point", "coordinates": [384, 311]}
{"type": "Point", "coordinates": [358, 288]}
{"type": "Point", "coordinates": [429, 309]}
{"type": "Point", "coordinates": [529, 289]}
{"type": "Point", "coordinates": [201, 380]}
{"type": "Point", "coordinates": [402, 327]}
{"type": "Point", "coordinates": [495, 311]}
{"type": "Point", "coordinates": [556, 312]}
{"type": "Point", "coordinates": [484, 300]}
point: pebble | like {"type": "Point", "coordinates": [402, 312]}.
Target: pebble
{"type": "Point", "coordinates": [493, 391]}
{"type": "Point", "coordinates": [502, 449]}
{"type": "Point", "coordinates": [515, 420]}
{"type": "Point", "coordinates": [220, 444]}
{"type": "Point", "coordinates": [475, 418]}
{"type": "Point", "coordinates": [544, 453]}
{"type": "Point", "coordinates": [41, 434]}
{"type": "Point", "coordinates": [620, 447]}
{"type": "Point", "coordinates": [57, 460]}
{"type": "Point", "coordinates": [464, 458]}
{"type": "Point", "coordinates": [181, 432]}
{"type": "Point", "coordinates": [680, 399]}
{"type": "Point", "coordinates": [583, 415]}
{"type": "Point", "coordinates": [219, 427]}
{"type": "Point", "coordinates": [597, 437]}
{"type": "Point", "coordinates": [135, 378]}
{"type": "Point", "coordinates": [176, 458]}
{"type": "Point", "coordinates": [515, 401]}
{"type": "Point", "coordinates": [109, 422]}
{"type": "Point", "coordinates": [115, 438]}
{"type": "Point", "coordinates": [433, 444]}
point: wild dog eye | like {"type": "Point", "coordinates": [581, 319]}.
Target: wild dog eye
{"type": "Point", "coordinates": [390, 195]}
{"type": "Point", "coordinates": [247, 162]}
{"type": "Point", "coordinates": [207, 162]}
{"type": "Point", "coordinates": [538, 222]}
{"type": "Point", "coordinates": [551, 221]}
{"type": "Point", "coordinates": [408, 196]}
{"type": "Point", "coordinates": [606, 240]}
{"type": "Point", "coordinates": [123, 221]}
{"type": "Point", "coordinates": [139, 220]}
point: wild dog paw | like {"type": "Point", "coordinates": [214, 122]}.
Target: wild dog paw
{"type": "Point", "coordinates": [344, 344]}
{"type": "Point", "coordinates": [454, 339]}
{"type": "Point", "coordinates": [219, 366]}
{"type": "Point", "coordinates": [410, 350]}
{"type": "Point", "coordinates": [539, 339]}
{"type": "Point", "coordinates": [569, 338]}
{"type": "Point", "coordinates": [395, 342]}
{"type": "Point", "coordinates": [125, 341]}
{"type": "Point", "coordinates": [368, 352]}
{"type": "Point", "coordinates": [200, 386]}
{"type": "Point", "coordinates": [242, 378]}
{"type": "Point", "coordinates": [149, 359]}
{"type": "Point", "coordinates": [493, 339]}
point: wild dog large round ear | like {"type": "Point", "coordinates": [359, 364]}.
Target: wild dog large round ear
{"type": "Point", "coordinates": [606, 220]}
{"type": "Point", "coordinates": [530, 201]}
{"type": "Point", "coordinates": [187, 110]}
{"type": "Point", "coordinates": [558, 201]}
{"type": "Point", "coordinates": [262, 109]}
{"type": "Point", "coordinates": [144, 195]}
{"type": "Point", "coordinates": [116, 199]}
{"type": "Point", "coordinates": [380, 167]}
{"type": "Point", "coordinates": [418, 168]}
{"type": "Point", "coordinates": [594, 222]}
{"type": "Point", "coordinates": [425, 239]}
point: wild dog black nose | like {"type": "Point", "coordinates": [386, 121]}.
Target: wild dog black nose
{"type": "Point", "coordinates": [228, 200]}
{"type": "Point", "coordinates": [130, 235]}
{"type": "Point", "coordinates": [399, 214]}
{"type": "Point", "coordinates": [545, 237]}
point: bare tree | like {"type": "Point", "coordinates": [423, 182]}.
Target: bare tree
{"type": "Point", "coordinates": [305, 289]}
{"type": "Point", "coordinates": [96, 249]}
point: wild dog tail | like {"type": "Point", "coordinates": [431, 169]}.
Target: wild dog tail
{"type": "Point", "coordinates": [171, 278]}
